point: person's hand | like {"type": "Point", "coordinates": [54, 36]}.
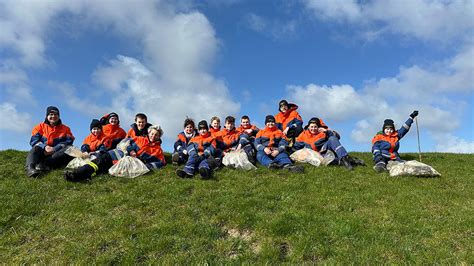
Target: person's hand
{"type": "Point", "coordinates": [133, 153]}
{"type": "Point", "coordinates": [322, 129]}
{"type": "Point", "coordinates": [85, 155]}
{"type": "Point", "coordinates": [286, 130]}
{"type": "Point", "coordinates": [248, 131]}
{"type": "Point", "coordinates": [414, 114]}
{"type": "Point", "coordinates": [48, 150]}
{"type": "Point", "coordinates": [275, 153]}
{"type": "Point", "coordinates": [267, 151]}
{"type": "Point", "coordinates": [185, 152]}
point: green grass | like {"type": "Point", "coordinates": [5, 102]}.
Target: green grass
{"type": "Point", "coordinates": [327, 215]}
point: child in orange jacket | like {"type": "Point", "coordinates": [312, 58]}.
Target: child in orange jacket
{"type": "Point", "coordinates": [289, 120]}
{"type": "Point", "coordinates": [111, 128]}
{"type": "Point", "coordinates": [180, 154]}
{"type": "Point", "coordinates": [96, 142]}
{"type": "Point", "coordinates": [140, 127]}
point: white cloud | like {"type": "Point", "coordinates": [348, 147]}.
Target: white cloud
{"type": "Point", "coordinates": [164, 102]}
{"type": "Point", "coordinates": [14, 85]}
{"type": "Point", "coordinates": [429, 90]}
{"type": "Point", "coordinates": [453, 144]}
{"type": "Point", "coordinates": [275, 28]}
{"type": "Point", "coordinates": [20, 122]}
{"type": "Point", "coordinates": [438, 20]}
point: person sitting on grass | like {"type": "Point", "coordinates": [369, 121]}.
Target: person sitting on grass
{"type": "Point", "coordinates": [385, 143]}
{"type": "Point", "coordinates": [96, 142]}
{"type": "Point", "coordinates": [289, 121]}
{"type": "Point", "coordinates": [140, 127]}
{"type": "Point", "coordinates": [147, 149]}
{"type": "Point", "coordinates": [49, 140]}
{"type": "Point", "coordinates": [111, 128]}
{"type": "Point", "coordinates": [247, 128]}
{"type": "Point", "coordinates": [201, 149]}
{"type": "Point", "coordinates": [271, 147]}
{"type": "Point", "coordinates": [231, 139]}
{"type": "Point", "coordinates": [318, 137]}
{"type": "Point", "coordinates": [180, 154]}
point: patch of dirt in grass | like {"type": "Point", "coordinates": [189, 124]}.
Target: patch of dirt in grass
{"type": "Point", "coordinates": [284, 250]}
{"type": "Point", "coordinates": [245, 235]}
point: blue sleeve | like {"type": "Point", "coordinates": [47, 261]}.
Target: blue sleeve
{"type": "Point", "coordinates": [282, 144]}
{"type": "Point", "coordinates": [405, 128]}
{"type": "Point", "coordinates": [244, 140]}
{"type": "Point", "coordinates": [258, 144]}
{"type": "Point", "coordinates": [38, 140]}
{"type": "Point", "coordinates": [132, 146]}
{"type": "Point", "coordinates": [85, 148]}
{"type": "Point", "coordinates": [300, 145]}
{"type": "Point", "coordinates": [179, 146]}
{"type": "Point", "coordinates": [295, 123]}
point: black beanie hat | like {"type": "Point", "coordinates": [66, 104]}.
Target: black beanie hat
{"type": "Point", "coordinates": [52, 109]}
{"type": "Point", "coordinates": [95, 123]}
{"type": "Point", "coordinates": [203, 124]}
{"type": "Point", "coordinates": [388, 123]}
{"type": "Point", "coordinates": [269, 118]}
{"type": "Point", "coordinates": [112, 115]}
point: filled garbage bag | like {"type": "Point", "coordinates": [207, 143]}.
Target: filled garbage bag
{"type": "Point", "coordinates": [411, 168]}
{"type": "Point", "coordinates": [310, 156]}
{"type": "Point", "coordinates": [128, 167]}
{"type": "Point", "coordinates": [74, 151]}
{"type": "Point", "coordinates": [238, 160]}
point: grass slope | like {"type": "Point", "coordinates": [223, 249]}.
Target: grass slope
{"type": "Point", "coordinates": [326, 215]}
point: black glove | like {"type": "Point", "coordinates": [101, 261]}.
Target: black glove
{"type": "Point", "coordinates": [414, 114]}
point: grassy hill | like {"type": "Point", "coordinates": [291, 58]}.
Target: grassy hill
{"type": "Point", "coordinates": [326, 215]}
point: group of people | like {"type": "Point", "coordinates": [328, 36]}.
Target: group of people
{"type": "Point", "coordinates": [201, 149]}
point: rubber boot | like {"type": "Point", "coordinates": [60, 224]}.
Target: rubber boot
{"type": "Point", "coordinates": [346, 163]}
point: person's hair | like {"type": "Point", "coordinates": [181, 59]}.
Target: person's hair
{"type": "Point", "coordinates": [141, 116]}
{"type": "Point", "coordinates": [189, 121]}
{"type": "Point", "coordinates": [215, 118]}
{"type": "Point", "coordinates": [230, 119]}
{"type": "Point", "coordinates": [157, 128]}
{"type": "Point", "coordinates": [245, 117]}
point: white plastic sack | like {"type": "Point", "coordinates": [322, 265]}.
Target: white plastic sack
{"type": "Point", "coordinates": [412, 168]}
{"type": "Point", "coordinates": [128, 167]}
{"type": "Point", "coordinates": [74, 151]}
{"type": "Point", "coordinates": [238, 160]}
{"type": "Point", "coordinates": [306, 155]}
{"type": "Point", "coordinates": [123, 145]}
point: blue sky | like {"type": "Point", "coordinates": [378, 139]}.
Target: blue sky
{"type": "Point", "coordinates": [351, 63]}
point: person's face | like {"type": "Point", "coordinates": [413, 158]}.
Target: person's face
{"type": "Point", "coordinates": [96, 131]}
{"type": "Point", "coordinates": [154, 135]}
{"type": "Point", "coordinates": [388, 131]}
{"type": "Point", "coordinates": [245, 123]}
{"type": "Point", "coordinates": [53, 118]}
{"type": "Point", "coordinates": [113, 120]}
{"type": "Point", "coordinates": [215, 124]}
{"type": "Point", "coordinates": [188, 129]}
{"type": "Point", "coordinates": [313, 128]}
{"type": "Point", "coordinates": [270, 124]}
{"type": "Point", "coordinates": [141, 123]}
{"type": "Point", "coordinates": [283, 108]}
{"type": "Point", "coordinates": [229, 125]}
{"type": "Point", "coordinates": [202, 131]}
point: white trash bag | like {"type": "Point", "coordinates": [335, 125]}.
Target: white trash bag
{"type": "Point", "coordinates": [128, 167]}
{"type": "Point", "coordinates": [306, 155]}
{"type": "Point", "coordinates": [78, 162]}
{"type": "Point", "coordinates": [123, 145]}
{"type": "Point", "coordinates": [238, 160]}
{"type": "Point", "coordinates": [411, 168]}
{"type": "Point", "coordinates": [74, 151]}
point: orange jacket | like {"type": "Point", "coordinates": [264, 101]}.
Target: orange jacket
{"type": "Point", "coordinates": [202, 144]}
{"type": "Point", "coordinates": [135, 132]}
{"type": "Point", "coordinates": [252, 127]}
{"type": "Point", "coordinates": [95, 143]}
{"type": "Point", "coordinates": [272, 138]}
{"type": "Point", "coordinates": [57, 136]}
{"type": "Point", "coordinates": [290, 118]}
{"type": "Point", "coordinates": [114, 134]}
{"type": "Point", "coordinates": [315, 142]}
{"type": "Point", "coordinates": [215, 132]}
{"type": "Point", "coordinates": [229, 139]}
